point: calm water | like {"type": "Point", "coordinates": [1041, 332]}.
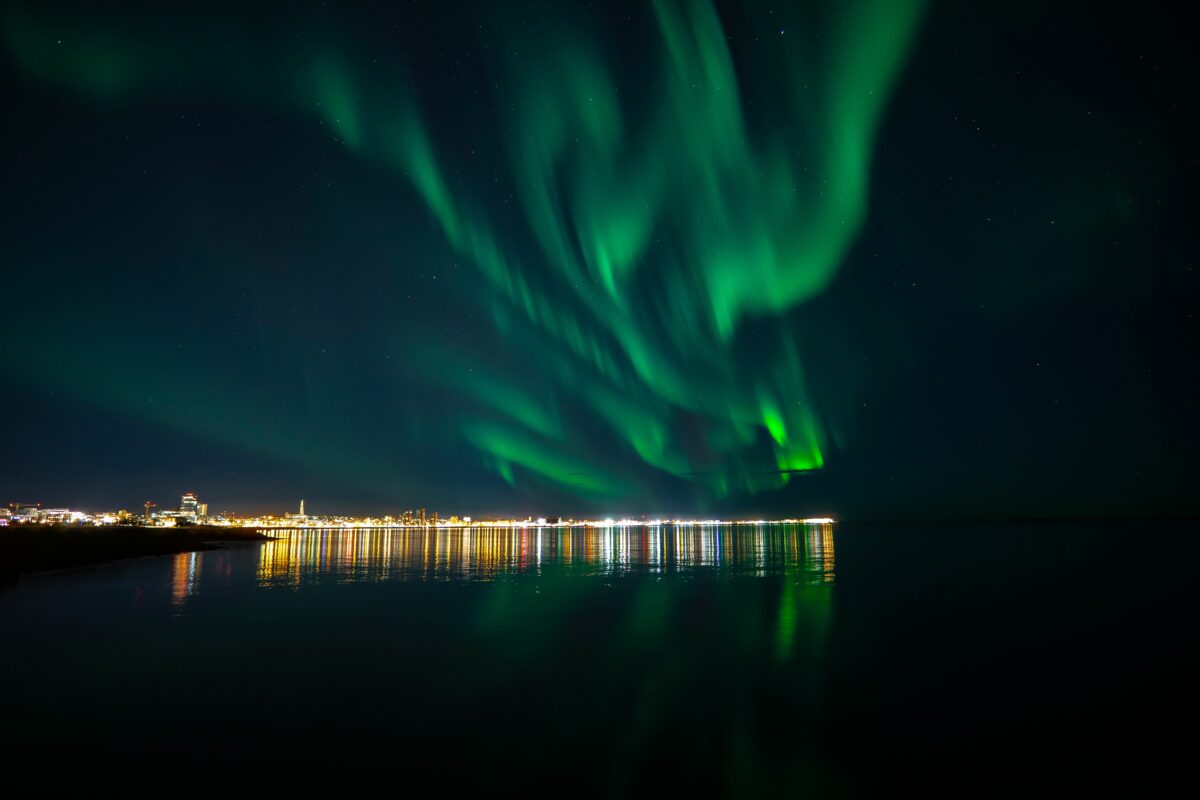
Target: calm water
{"type": "Point", "coordinates": [748, 661]}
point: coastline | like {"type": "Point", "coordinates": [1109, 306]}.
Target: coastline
{"type": "Point", "coordinates": [25, 550]}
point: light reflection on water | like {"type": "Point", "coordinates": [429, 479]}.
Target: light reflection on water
{"type": "Point", "coordinates": [632, 641]}
{"type": "Point", "coordinates": [723, 660]}
{"type": "Point", "coordinates": [185, 572]}
{"type": "Point", "coordinates": [302, 556]}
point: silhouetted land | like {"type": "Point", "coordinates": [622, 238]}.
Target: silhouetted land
{"type": "Point", "coordinates": [33, 548]}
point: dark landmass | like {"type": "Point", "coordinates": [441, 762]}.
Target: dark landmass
{"type": "Point", "coordinates": [34, 548]}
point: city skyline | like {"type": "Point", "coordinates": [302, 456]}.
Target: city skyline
{"type": "Point", "coordinates": [192, 512]}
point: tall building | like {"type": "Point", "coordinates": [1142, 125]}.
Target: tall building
{"type": "Point", "coordinates": [302, 508]}
{"type": "Point", "coordinates": [189, 505]}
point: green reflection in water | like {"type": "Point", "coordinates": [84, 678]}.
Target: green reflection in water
{"type": "Point", "coordinates": [709, 639]}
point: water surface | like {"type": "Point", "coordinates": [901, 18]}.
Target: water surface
{"type": "Point", "coordinates": [744, 661]}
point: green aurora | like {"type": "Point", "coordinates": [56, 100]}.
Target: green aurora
{"type": "Point", "coordinates": [662, 233]}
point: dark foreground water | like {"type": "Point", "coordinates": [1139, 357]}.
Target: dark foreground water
{"type": "Point", "coordinates": [780, 661]}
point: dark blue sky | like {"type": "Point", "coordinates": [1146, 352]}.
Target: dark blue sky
{"type": "Point", "coordinates": [338, 253]}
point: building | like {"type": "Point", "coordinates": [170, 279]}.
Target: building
{"type": "Point", "coordinates": [189, 507]}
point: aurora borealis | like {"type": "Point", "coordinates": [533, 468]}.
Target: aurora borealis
{"type": "Point", "coordinates": [663, 254]}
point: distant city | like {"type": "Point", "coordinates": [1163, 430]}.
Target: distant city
{"type": "Point", "coordinates": [192, 511]}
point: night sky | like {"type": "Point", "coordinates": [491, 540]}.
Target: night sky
{"type": "Point", "coordinates": [875, 260]}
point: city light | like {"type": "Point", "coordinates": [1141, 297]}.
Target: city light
{"type": "Point", "coordinates": [192, 512]}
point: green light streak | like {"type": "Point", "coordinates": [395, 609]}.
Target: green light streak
{"type": "Point", "coordinates": [540, 458]}
{"type": "Point", "coordinates": [661, 225]}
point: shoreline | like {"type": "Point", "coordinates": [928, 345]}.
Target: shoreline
{"type": "Point", "coordinates": [29, 550]}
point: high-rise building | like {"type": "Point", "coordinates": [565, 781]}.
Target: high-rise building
{"type": "Point", "coordinates": [302, 508]}
{"type": "Point", "coordinates": [189, 505]}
